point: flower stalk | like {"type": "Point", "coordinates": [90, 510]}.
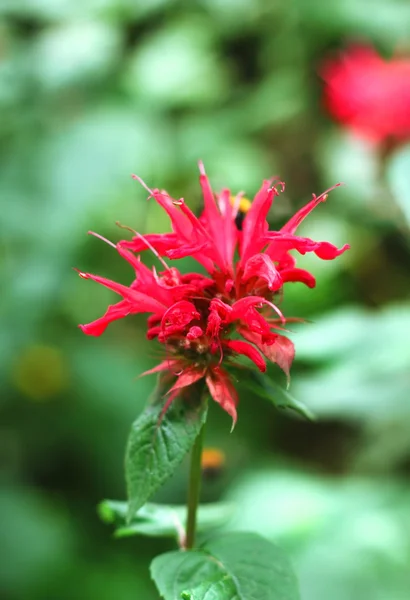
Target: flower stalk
{"type": "Point", "coordinates": [194, 489]}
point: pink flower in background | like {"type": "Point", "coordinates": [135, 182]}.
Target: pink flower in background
{"type": "Point", "coordinates": [206, 320]}
{"type": "Point", "coordinates": [369, 94]}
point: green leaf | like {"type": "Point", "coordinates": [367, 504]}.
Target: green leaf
{"type": "Point", "coordinates": [156, 520]}
{"type": "Point", "coordinates": [236, 566]}
{"type": "Point", "coordinates": [157, 445]}
{"type": "Point", "coordinates": [268, 388]}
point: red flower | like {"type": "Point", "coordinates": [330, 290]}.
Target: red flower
{"type": "Point", "coordinates": [368, 94]}
{"type": "Point", "coordinates": [198, 318]}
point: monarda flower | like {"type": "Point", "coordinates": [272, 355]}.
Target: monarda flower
{"type": "Point", "coordinates": [369, 94]}
{"type": "Point", "coordinates": [205, 320]}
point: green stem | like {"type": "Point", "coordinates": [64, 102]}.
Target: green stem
{"type": "Point", "coordinates": [194, 489]}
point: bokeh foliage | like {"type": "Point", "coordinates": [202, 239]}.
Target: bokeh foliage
{"type": "Point", "coordinates": [91, 91]}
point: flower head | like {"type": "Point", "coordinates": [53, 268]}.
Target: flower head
{"type": "Point", "coordinates": [206, 320]}
{"type": "Point", "coordinates": [368, 94]}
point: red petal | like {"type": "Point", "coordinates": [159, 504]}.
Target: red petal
{"type": "Point", "coordinates": [209, 251]}
{"type": "Point", "coordinates": [178, 316]}
{"type": "Point", "coordinates": [219, 315]}
{"type": "Point", "coordinates": [287, 261]}
{"type": "Point", "coordinates": [281, 352]}
{"type": "Point", "coordinates": [254, 224]}
{"type": "Point", "coordinates": [166, 244]}
{"type": "Point", "coordinates": [186, 250]}
{"type": "Point", "coordinates": [194, 333]}
{"type": "Point", "coordinates": [210, 208]}
{"type": "Point", "coordinates": [153, 320]}
{"type": "Point", "coordinates": [223, 392]}
{"type": "Point", "coordinates": [229, 285]}
{"type": "Point", "coordinates": [247, 350]}
{"type": "Point", "coordinates": [242, 306]}
{"type": "Point", "coordinates": [114, 312]}
{"type": "Point", "coordinates": [144, 275]}
{"type": "Point", "coordinates": [153, 332]}
{"type": "Point", "coordinates": [162, 242]}
{"type": "Point", "coordinates": [166, 365]}
{"type": "Point", "coordinates": [201, 281]}
{"type": "Point", "coordinates": [297, 218]}
{"type": "Point", "coordinates": [224, 310]}
{"type": "Point", "coordinates": [245, 311]}
{"type": "Point", "coordinates": [143, 302]}
{"type": "Point", "coordinates": [282, 243]}
{"type": "Point", "coordinates": [228, 237]}
{"type": "Point", "coordinates": [299, 275]}
{"type": "Point", "coordinates": [327, 251]}
{"type": "Point", "coordinates": [180, 224]}
{"type": "Point", "coordinates": [188, 377]}
{"type": "Point", "coordinates": [146, 280]}
{"type": "Point", "coordinates": [214, 220]}
{"type": "Point", "coordinates": [214, 325]}
{"type": "Point", "coordinates": [262, 266]}
{"type": "Point", "coordinates": [258, 324]}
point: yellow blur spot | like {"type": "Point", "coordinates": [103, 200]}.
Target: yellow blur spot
{"type": "Point", "coordinates": [244, 204]}
{"type": "Point", "coordinates": [212, 458]}
{"type": "Point", "coordinates": [40, 373]}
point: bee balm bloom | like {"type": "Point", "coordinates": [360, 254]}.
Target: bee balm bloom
{"type": "Point", "coordinates": [205, 320]}
{"type": "Point", "coordinates": [369, 94]}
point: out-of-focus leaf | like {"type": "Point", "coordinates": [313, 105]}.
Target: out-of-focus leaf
{"type": "Point", "coordinates": [158, 443]}
{"type": "Point", "coordinates": [100, 369]}
{"type": "Point", "coordinates": [344, 334]}
{"type": "Point", "coordinates": [238, 565]}
{"type": "Point", "coordinates": [161, 519]}
{"type": "Point", "coordinates": [347, 392]}
{"type": "Point", "coordinates": [286, 505]}
{"type": "Point", "coordinates": [384, 446]}
{"type": "Point", "coordinates": [366, 364]}
{"type": "Point", "coordinates": [352, 160]}
{"type": "Point", "coordinates": [278, 99]}
{"type": "Point", "coordinates": [75, 53]}
{"type": "Point", "coordinates": [356, 162]}
{"type": "Point", "coordinates": [177, 66]}
{"type": "Point", "coordinates": [46, 9]}
{"type": "Point", "coordinates": [231, 15]}
{"type": "Point", "coordinates": [58, 10]}
{"type": "Point", "coordinates": [35, 534]}
{"type": "Point", "coordinates": [93, 157]}
{"type": "Point", "coordinates": [398, 173]}
{"type": "Point", "coordinates": [387, 20]}
{"type": "Point", "coordinates": [354, 531]}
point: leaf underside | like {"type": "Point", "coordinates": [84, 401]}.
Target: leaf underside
{"type": "Point", "coordinates": [162, 520]}
{"type": "Point", "coordinates": [267, 388]}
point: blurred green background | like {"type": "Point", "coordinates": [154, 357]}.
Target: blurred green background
{"type": "Point", "coordinates": [92, 91]}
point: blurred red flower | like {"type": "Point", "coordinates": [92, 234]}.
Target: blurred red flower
{"type": "Point", "coordinates": [200, 318]}
{"type": "Point", "coordinates": [369, 94]}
